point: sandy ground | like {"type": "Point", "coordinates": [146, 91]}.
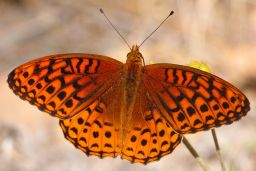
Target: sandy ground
{"type": "Point", "coordinates": [223, 34]}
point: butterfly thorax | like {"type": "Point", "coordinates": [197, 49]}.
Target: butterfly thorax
{"type": "Point", "coordinates": [133, 73]}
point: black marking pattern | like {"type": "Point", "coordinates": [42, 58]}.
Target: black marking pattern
{"type": "Point", "coordinates": [188, 101]}
{"type": "Point", "coordinates": [145, 144]}
{"type": "Point", "coordinates": [47, 82]}
{"type": "Point", "coordinates": [88, 134]}
{"type": "Point", "coordinates": [192, 100]}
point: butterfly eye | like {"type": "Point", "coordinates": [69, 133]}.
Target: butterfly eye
{"type": "Point", "coordinates": [140, 55]}
{"type": "Point", "coordinates": [128, 54]}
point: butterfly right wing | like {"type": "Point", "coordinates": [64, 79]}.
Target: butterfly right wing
{"type": "Point", "coordinates": [64, 85]}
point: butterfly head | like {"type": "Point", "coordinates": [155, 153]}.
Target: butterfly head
{"type": "Point", "coordinates": [135, 56]}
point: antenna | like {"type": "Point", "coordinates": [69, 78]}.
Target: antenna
{"type": "Point", "coordinates": [171, 13]}
{"type": "Point", "coordinates": [101, 10]}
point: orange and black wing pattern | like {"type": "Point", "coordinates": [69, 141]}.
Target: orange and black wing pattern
{"type": "Point", "coordinates": [148, 135]}
{"type": "Point", "coordinates": [86, 92]}
{"type": "Point", "coordinates": [96, 129]}
{"type": "Point", "coordinates": [64, 85]}
{"type": "Point", "coordinates": [192, 100]}
{"type": "Point", "coordinates": [144, 137]}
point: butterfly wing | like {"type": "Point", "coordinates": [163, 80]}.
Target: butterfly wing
{"type": "Point", "coordinates": [148, 136]}
{"type": "Point", "coordinates": [96, 129]}
{"type": "Point", "coordinates": [192, 100]}
{"type": "Point", "coordinates": [64, 85]}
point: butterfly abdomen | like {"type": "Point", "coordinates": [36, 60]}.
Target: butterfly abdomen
{"type": "Point", "coordinates": [131, 78]}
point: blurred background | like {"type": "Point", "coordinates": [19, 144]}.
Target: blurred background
{"type": "Point", "coordinates": [221, 33]}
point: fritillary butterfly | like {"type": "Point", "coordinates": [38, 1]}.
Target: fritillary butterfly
{"type": "Point", "coordinates": [107, 108]}
{"type": "Point", "coordinates": [138, 112]}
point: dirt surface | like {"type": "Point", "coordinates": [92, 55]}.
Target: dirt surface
{"type": "Point", "coordinates": [221, 33]}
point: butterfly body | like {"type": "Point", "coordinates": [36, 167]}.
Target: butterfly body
{"type": "Point", "coordinates": [137, 111]}
{"type": "Point", "coordinates": [132, 75]}
{"type": "Point", "coordinates": [131, 79]}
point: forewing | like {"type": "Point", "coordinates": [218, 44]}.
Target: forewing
{"type": "Point", "coordinates": [192, 100]}
{"type": "Point", "coordinates": [64, 85]}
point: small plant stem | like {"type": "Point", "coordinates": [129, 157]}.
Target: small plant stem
{"type": "Point", "coordinates": [230, 167]}
{"type": "Point", "coordinates": [217, 147]}
{"type": "Point", "coordinates": [195, 154]}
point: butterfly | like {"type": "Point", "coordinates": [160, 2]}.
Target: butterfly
{"type": "Point", "coordinates": [136, 111]}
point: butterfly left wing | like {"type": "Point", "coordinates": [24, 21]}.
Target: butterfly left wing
{"type": "Point", "coordinates": [192, 100]}
{"type": "Point", "coordinates": [148, 135]}
{"type": "Point", "coordinates": [63, 85]}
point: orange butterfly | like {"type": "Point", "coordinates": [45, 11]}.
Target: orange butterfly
{"type": "Point", "coordinates": [107, 108]}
